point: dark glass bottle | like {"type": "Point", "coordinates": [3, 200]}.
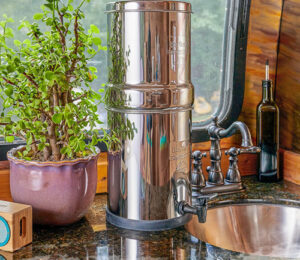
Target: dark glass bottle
{"type": "Point", "coordinates": [268, 134]}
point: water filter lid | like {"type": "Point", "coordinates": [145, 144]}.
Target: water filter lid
{"type": "Point", "coordinates": [149, 6]}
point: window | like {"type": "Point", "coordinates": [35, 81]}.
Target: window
{"type": "Point", "coordinates": [219, 38]}
{"type": "Point", "coordinates": [219, 42]}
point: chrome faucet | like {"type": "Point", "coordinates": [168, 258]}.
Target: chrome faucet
{"type": "Point", "coordinates": [215, 182]}
{"type": "Point", "coordinates": [215, 175]}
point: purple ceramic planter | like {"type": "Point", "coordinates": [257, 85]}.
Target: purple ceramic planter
{"type": "Point", "coordinates": [59, 192]}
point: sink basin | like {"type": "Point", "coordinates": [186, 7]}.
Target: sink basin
{"type": "Point", "coordinates": [260, 229]}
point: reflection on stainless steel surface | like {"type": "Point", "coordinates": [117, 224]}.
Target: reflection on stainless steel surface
{"type": "Point", "coordinates": [140, 175]}
{"type": "Point", "coordinates": [155, 95]}
{"type": "Point", "coordinates": [138, 245]}
{"type": "Point", "coordinates": [260, 229]}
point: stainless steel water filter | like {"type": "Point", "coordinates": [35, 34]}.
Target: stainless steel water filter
{"type": "Point", "coordinates": [150, 98]}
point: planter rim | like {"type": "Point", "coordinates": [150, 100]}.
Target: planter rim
{"type": "Point", "coordinates": [11, 157]}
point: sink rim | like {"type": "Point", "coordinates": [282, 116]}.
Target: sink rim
{"type": "Point", "coordinates": [228, 202]}
{"type": "Point", "coordinates": [247, 246]}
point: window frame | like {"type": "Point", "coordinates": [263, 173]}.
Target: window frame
{"type": "Point", "coordinates": [230, 107]}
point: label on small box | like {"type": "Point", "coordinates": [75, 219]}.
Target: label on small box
{"type": "Point", "coordinates": [4, 232]}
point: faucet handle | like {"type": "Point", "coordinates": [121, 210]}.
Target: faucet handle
{"type": "Point", "coordinates": [251, 149]}
{"type": "Point", "coordinates": [233, 151]}
{"type": "Point", "coordinates": [198, 155]}
{"type": "Point", "coordinates": [197, 176]}
{"type": "Point", "coordinates": [233, 174]}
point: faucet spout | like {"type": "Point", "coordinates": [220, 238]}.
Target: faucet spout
{"type": "Point", "coordinates": [244, 130]}
{"type": "Point", "coordinates": [198, 208]}
{"type": "Point", "coordinates": [200, 211]}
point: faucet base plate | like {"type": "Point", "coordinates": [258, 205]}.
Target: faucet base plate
{"type": "Point", "coordinates": [221, 189]}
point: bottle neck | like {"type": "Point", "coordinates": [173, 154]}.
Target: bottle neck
{"type": "Point", "coordinates": [267, 91]}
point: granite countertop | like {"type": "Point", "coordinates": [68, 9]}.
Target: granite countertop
{"type": "Point", "coordinates": [93, 238]}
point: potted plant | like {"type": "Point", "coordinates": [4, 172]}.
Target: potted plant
{"type": "Point", "coordinates": [48, 101]}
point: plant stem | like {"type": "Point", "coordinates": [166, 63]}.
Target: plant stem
{"type": "Point", "coordinates": [53, 142]}
{"type": "Point", "coordinates": [80, 5]}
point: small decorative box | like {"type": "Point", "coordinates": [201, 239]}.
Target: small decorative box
{"type": "Point", "coordinates": [15, 226]}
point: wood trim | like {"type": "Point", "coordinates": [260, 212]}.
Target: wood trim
{"type": "Point", "coordinates": [4, 184]}
{"type": "Point", "coordinates": [225, 143]}
{"type": "Point", "coordinates": [287, 78]}
{"type": "Point", "coordinates": [102, 173]}
{"type": "Point", "coordinates": [289, 164]}
{"type": "Point", "coordinates": [4, 165]}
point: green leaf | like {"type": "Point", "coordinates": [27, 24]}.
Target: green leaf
{"type": "Point", "coordinates": [7, 103]}
{"type": "Point", "coordinates": [10, 20]}
{"type": "Point", "coordinates": [64, 150]}
{"type": "Point", "coordinates": [38, 16]}
{"type": "Point", "coordinates": [93, 69]}
{"type": "Point", "coordinates": [17, 43]}
{"type": "Point", "coordinates": [29, 140]}
{"type": "Point", "coordinates": [24, 24]}
{"type": "Point", "coordinates": [25, 153]}
{"type": "Point", "coordinates": [21, 69]}
{"type": "Point", "coordinates": [97, 41]}
{"type": "Point", "coordinates": [9, 90]}
{"type": "Point", "coordinates": [70, 131]}
{"type": "Point", "coordinates": [82, 145]}
{"type": "Point", "coordinates": [57, 118]}
{"type": "Point", "coordinates": [50, 6]}
{"type": "Point", "coordinates": [94, 28]}
{"type": "Point", "coordinates": [16, 61]}
{"type": "Point", "coordinates": [10, 68]}
{"type": "Point", "coordinates": [9, 33]}
{"type": "Point", "coordinates": [22, 124]}
{"type": "Point", "coordinates": [27, 42]}
{"type": "Point", "coordinates": [36, 103]}
{"type": "Point", "coordinates": [41, 146]}
{"type": "Point", "coordinates": [9, 139]}
{"type": "Point", "coordinates": [94, 140]}
{"type": "Point", "coordinates": [91, 51]}
{"type": "Point", "coordinates": [70, 8]}
{"type": "Point", "coordinates": [49, 75]}
{"type": "Point", "coordinates": [38, 124]}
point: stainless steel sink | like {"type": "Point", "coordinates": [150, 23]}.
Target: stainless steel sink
{"type": "Point", "coordinates": [260, 229]}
